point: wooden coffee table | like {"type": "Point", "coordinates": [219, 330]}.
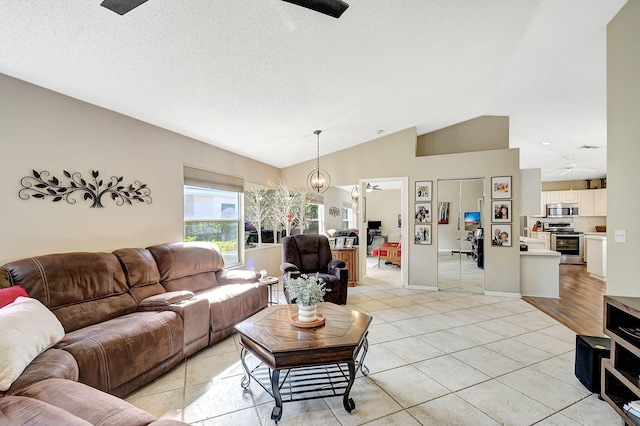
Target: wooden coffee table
{"type": "Point", "coordinates": [314, 362]}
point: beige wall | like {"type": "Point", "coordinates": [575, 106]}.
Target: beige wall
{"type": "Point", "coordinates": [335, 197]}
{"type": "Point", "coordinates": [44, 130]}
{"type": "Point", "coordinates": [385, 206]}
{"type": "Point", "coordinates": [566, 185]}
{"type": "Point", "coordinates": [479, 134]}
{"type": "Point", "coordinates": [394, 156]}
{"type": "Point", "coordinates": [623, 149]}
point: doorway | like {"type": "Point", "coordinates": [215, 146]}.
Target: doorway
{"type": "Point", "coordinates": [459, 214]}
{"type": "Point", "coordinates": [384, 201]}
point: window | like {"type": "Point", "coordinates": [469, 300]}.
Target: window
{"type": "Point", "coordinates": [347, 218]}
{"type": "Point", "coordinates": [212, 212]}
{"type": "Point", "coordinates": [314, 217]}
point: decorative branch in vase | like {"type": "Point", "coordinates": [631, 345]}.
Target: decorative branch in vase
{"type": "Point", "coordinates": [257, 207]}
{"type": "Point", "coordinates": [288, 205]}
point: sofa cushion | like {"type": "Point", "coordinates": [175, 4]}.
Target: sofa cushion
{"type": "Point", "coordinates": [230, 304]}
{"type": "Point", "coordinates": [187, 266]}
{"type": "Point", "coordinates": [8, 295]}
{"type": "Point", "coordinates": [80, 400]}
{"type": "Point", "coordinates": [81, 289]}
{"type": "Point", "coordinates": [114, 352]}
{"type": "Point", "coordinates": [28, 329]}
{"type": "Point", "coordinates": [21, 410]}
{"type": "Point", "coordinates": [141, 272]}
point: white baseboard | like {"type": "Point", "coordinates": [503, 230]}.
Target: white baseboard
{"type": "Point", "coordinates": [422, 287]}
{"type": "Point", "coordinates": [503, 294]}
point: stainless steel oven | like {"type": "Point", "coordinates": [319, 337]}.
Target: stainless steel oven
{"type": "Point", "coordinates": [570, 245]}
{"type": "Point", "coordinates": [565, 240]}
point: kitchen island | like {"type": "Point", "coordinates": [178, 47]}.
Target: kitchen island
{"type": "Point", "coordinates": [540, 273]}
{"type": "Point", "coordinates": [596, 248]}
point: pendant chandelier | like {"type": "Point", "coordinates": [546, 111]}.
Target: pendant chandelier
{"type": "Point", "coordinates": [354, 192]}
{"type": "Point", "coordinates": [318, 180]}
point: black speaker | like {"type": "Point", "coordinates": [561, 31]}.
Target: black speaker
{"type": "Point", "coordinates": [589, 352]}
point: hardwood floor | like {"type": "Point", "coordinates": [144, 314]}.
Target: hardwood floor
{"type": "Point", "coordinates": [580, 306]}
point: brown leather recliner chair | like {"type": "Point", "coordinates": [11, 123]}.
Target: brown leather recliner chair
{"type": "Point", "coordinates": [310, 255]}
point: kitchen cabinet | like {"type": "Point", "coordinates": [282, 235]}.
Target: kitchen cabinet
{"type": "Point", "coordinates": [599, 202]}
{"type": "Point", "coordinates": [585, 202]}
{"type": "Point", "coordinates": [555, 197]}
{"type": "Point", "coordinates": [350, 257]}
{"type": "Point", "coordinates": [543, 236]}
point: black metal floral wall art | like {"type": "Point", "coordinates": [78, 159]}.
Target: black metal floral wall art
{"type": "Point", "coordinates": [43, 185]}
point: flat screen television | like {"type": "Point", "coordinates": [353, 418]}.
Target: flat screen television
{"type": "Point", "coordinates": [374, 224]}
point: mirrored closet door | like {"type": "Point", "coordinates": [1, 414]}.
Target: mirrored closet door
{"type": "Point", "coordinates": [460, 203]}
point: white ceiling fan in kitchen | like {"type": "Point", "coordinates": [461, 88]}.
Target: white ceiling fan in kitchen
{"type": "Point", "coordinates": [570, 167]}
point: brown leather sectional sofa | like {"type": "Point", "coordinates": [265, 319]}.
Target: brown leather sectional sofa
{"type": "Point", "coordinates": [129, 316]}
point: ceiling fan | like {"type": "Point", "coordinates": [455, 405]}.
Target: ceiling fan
{"type": "Point", "coordinates": [334, 8]}
{"type": "Point", "coordinates": [371, 188]}
{"type": "Point", "coordinates": [570, 167]}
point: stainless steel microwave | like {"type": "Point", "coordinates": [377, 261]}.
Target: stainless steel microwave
{"type": "Point", "coordinates": [562, 210]}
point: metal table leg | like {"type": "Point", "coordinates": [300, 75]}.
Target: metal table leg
{"type": "Point", "coordinates": [276, 413]}
{"type": "Point", "coordinates": [246, 380]}
{"type": "Point", "coordinates": [348, 403]}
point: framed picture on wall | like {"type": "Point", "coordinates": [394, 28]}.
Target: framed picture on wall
{"type": "Point", "coordinates": [423, 190]}
{"type": "Point", "coordinates": [443, 212]}
{"type": "Point", "coordinates": [423, 213]}
{"type": "Point", "coordinates": [422, 234]}
{"type": "Point", "coordinates": [501, 235]}
{"type": "Point", "coordinates": [501, 187]}
{"type": "Point", "coordinates": [501, 210]}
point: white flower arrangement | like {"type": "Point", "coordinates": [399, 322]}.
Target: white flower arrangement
{"type": "Point", "coordinates": [307, 291]}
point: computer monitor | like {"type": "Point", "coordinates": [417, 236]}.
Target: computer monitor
{"type": "Point", "coordinates": [374, 224]}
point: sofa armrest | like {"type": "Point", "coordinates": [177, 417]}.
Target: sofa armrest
{"type": "Point", "coordinates": [336, 264]}
{"type": "Point", "coordinates": [237, 276]}
{"type": "Point", "coordinates": [52, 363]}
{"type": "Point", "coordinates": [165, 299]}
{"type": "Point", "coordinates": [288, 267]}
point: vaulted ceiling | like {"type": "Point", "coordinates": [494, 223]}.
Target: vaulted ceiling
{"type": "Point", "coordinates": [257, 77]}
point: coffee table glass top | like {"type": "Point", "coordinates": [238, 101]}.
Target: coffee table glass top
{"type": "Point", "coordinates": [271, 328]}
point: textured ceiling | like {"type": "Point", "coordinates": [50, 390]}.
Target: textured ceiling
{"type": "Point", "coordinates": [257, 77]}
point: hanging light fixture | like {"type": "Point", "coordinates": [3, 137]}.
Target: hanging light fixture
{"type": "Point", "coordinates": [354, 192]}
{"type": "Point", "coordinates": [318, 180]}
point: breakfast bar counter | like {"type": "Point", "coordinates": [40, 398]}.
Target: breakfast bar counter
{"type": "Point", "coordinates": [540, 273]}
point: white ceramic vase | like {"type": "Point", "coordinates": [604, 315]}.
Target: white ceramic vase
{"type": "Point", "coordinates": [306, 313]}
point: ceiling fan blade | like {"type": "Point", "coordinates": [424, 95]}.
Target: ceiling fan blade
{"type": "Point", "coordinates": [334, 8]}
{"type": "Point", "coordinates": [121, 6]}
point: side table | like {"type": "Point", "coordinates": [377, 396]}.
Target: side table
{"type": "Point", "coordinates": [270, 281]}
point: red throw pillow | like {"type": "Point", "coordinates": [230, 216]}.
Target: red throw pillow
{"type": "Point", "coordinates": [8, 295]}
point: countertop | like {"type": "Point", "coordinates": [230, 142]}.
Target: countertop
{"type": "Point", "coordinates": [540, 252]}
{"type": "Point", "coordinates": [595, 235]}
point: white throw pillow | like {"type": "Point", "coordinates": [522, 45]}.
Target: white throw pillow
{"type": "Point", "coordinates": [28, 328]}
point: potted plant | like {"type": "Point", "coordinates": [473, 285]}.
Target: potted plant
{"type": "Point", "coordinates": [307, 291]}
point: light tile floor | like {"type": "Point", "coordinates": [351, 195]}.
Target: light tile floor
{"type": "Point", "coordinates": [435, 358]}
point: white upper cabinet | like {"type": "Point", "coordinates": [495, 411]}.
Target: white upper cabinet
{"type": "Point", "coordinates": [599, 202]}
{"type": "Point", "coordinates": [555, 197]}
{"type": "Point", "coordinates": [585, 201]}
